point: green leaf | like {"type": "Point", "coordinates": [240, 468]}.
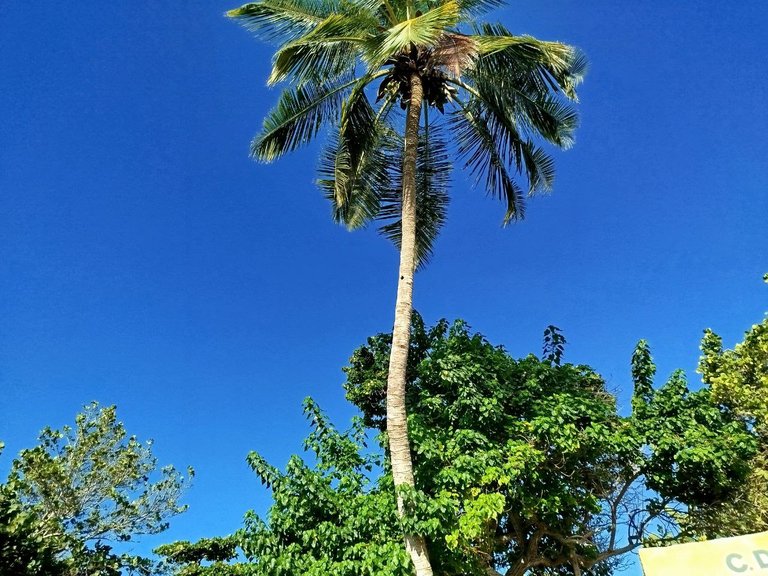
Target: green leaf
{"type": "Point", "coordinates": [324, 54]}
{"type": "Point", "coordinates": [299, 114]}
{"type": "Point", "coordinates": [420, 30]}
{"type": "Point", "coordinates": [280, 19]}
{"type": "Point", "coordinates": [433, 176]}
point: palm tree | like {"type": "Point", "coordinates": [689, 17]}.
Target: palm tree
{"type": "Point", "coordinates": [391, 78]}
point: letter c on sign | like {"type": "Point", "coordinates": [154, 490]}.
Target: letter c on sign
{"type": "Point", "coordinates": [730, 561]}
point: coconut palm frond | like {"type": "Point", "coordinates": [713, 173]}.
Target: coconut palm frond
{"type": "Point", "coordinates": [357, 136]}
{"type": "Point", "coordinates": [539, 168]}
{"type": "Point", "coordinates": [473, 8]}
{"type": "Point", "coordinates": [575, 74]}
{"type": "Point", "coordinates": [297, 117]}
{"type": "Point", "coordinates": [422, 30]}
{"type": "Point", "coordinates": [555, 57]}
{"type": "Point", "coordinates": [555, 66]}
{"type": "Point", "coordinates": [282, 19]}
{"type": "Point", "coordinates": [524, 75]}
{"type": "Point", "coordinates": [307, 63]}
{"type": "Point", "coordinates": [328, 51]}
{"type": "Point", "coordinates": [518, 101]}
{"type": "Point", "coordinates": [508, 121]}
{"type": "Point", "coordinates": [389, 12]}
{"type": "Point", "coordinates": [432, 182]}
{"type": "Point", "coordinates": [363, 200]}
{"type": "Point", "coordinates": [502, 120]}
{"type": "Point", "coordinates": [355, 164]}
{"type": "Point", "coordinates": [553, 119]}
{"type": "Point", "coordinates": [478, 146]}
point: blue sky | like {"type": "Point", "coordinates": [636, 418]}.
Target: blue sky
{"type": "Point", "coordinates": [145, 261]}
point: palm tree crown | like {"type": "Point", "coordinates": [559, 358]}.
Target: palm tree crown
{"type": "Point", "coordinates": [501, 93]}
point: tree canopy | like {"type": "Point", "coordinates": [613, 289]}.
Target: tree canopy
{"type": "Point", "coordinates": [521, 465]}
{"type": "Point", "coordinates": [85, 488]}
{"type": "Point", "coordinates": [23, 552]}
{"type": "Point", "coordinates": [739, 380]}
{"type": "Point", "coordinates": [350, 66]}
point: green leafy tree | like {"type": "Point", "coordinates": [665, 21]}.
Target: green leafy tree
{"type": "Point", "coordinates": [354, 65]}
{"type": "Point", "coordinates": [521, 467]}
{"type": "Point", "coordinates": [543, 471]}
{"type": "Point", "coordinates": [337, 517]}
{"type": "Point", "coordinates": [87, 487]}
{"type": "Point", "coordinates": [209, 556]}
{"type": "Point", "coordinates": [22, 551]}
{"type": "Point", "coordinates": [739, 380]}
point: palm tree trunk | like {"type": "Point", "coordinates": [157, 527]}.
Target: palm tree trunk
{"type": "Point", "coordinates": [397, 422]}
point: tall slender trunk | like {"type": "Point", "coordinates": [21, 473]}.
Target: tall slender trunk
{"type": "Point", "coordinates": [397, 422]}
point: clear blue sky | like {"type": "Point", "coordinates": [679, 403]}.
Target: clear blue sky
{"type": "Point", "coordinates": [146, 261]}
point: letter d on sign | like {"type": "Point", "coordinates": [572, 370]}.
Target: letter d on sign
{"type": "Point", "coordinates": [762, 558]}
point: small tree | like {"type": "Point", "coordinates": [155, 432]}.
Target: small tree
{"type": "Point", "coordinates": [739, 380]}
{"type": "Point", "coordinates": [90, 486]}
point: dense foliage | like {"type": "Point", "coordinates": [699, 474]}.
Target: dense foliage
{"type": "Point", "coordinates": [544, 471]}
{"type": "Point", "coordinates": [84, 488]}
{"type": "Point", "coordinates": [522, 466]}
{"type": "Point", "coordinates": [23, 552]}
{"type": "Point", "coordinates": [739, 380]}
{"type": "Point", "coordinates": [332, 518]}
